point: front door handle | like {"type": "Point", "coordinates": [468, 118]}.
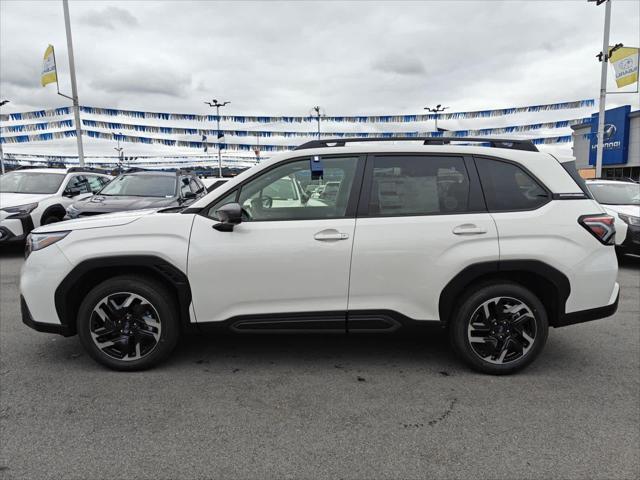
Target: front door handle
{"type": "Point", "coordinates": [330, 235]}
{"type": "Point", "coordinates": [469, 229]}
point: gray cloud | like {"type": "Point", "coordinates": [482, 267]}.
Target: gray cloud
{"type": "Point", "coordinates": [400, 64]}
{"type": "Point", "coordinates": [144, 80]}
{"type": "Point", "coordinates": [110, 18]}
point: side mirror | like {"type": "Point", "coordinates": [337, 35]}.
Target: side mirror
{"type": "Point", "coordinates": [189, 195]}
{"type": "Point", "coordinates": [71, 192]}
{"type": "Point", "coordinates": [229, 215]}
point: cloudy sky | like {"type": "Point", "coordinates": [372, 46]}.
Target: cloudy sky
{"type": "Point", "coordinates": [284, 57]}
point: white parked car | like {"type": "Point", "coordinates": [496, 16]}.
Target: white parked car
{"type": "Point", "coordinates": [621, 200]}
{"type": "Point", "coordinates": [39, 196]}
{"type": "Point", "coordinates": [495, 244]}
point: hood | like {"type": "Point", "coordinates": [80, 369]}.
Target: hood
{"type": "Point", "coordinates": [106, 204]}
{"type": "Point", "coordinates": [15, 199]}
{"type": "Point", "coordinates": [633, 210]}
{"type": "Point", "coordinates": [108, 220]}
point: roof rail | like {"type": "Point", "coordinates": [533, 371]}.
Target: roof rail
{"type": "Point", "coordinates": [509, 143]}
{"type": "Point", "coordinates": [86, 169]}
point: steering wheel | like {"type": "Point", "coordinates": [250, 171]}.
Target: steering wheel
{"type": "Point", "coordinates": [266, 201]}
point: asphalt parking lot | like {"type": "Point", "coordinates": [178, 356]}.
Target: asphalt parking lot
{"type": "Point", "coordinates": [321, 407]}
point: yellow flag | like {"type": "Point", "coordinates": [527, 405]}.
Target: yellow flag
{"type": "Point", "coordinates": [49, 74]}
{"type": "Point", "coordinates": [625, 65]}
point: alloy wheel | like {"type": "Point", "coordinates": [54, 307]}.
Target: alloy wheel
{"type": "Point", "coordinates": [502, 330]}
{"type": "Point", "coordinates": [125, 326]}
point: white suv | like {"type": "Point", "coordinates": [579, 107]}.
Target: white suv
{"type": "Point", "coordinates": [495, 243]}
{"type": "Point", "coordinates": [39, 196]}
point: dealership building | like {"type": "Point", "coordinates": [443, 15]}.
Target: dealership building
{"type": "Point", "coordinates": [621, 156]}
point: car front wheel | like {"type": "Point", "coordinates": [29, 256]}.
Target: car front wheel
{"type": "Point", "coordinates": [128, 323]}
{"type": "Point", "coordinates": [499, 329]}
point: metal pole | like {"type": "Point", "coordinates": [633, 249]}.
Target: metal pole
{"type": "Point", "coordinates": [74, 87]}
{"type": "Point", "coordinates": [1, 151]}
{"type": "Point", "coordinates": [603, 89]}
{"type": "Point", "coordinates": [219, 146]}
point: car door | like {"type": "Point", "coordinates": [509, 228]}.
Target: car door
{"type": "Point", "coordinates": [421, 221]}
{"type": "Point", "coordinates": [288, 259]}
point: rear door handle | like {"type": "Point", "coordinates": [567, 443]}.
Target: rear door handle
{"type": "Point", "coordinates": [330, 235]}
{"type": "Point", "coordinates": [469, 229]}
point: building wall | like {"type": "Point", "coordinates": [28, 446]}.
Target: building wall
{"type": "Point", "coordinates": [581, 144]}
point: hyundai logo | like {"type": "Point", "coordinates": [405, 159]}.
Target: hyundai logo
{"type": "Point", "coordinates": [609, 131]}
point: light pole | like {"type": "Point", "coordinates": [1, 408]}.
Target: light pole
{"type": "Point", "coordinates": [215, 103]}
{"type": "Point", "coordinates": [3, 102]}
{"type": "Point", "coordinates": [319, 115]}
{"type": "Point", "coordinates": [120, 150]}
{"type": "Point", "coordinates": [436, 110]}
{"type": "Point", "coordinates": [604, 58]}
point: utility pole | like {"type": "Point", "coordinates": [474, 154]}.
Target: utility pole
{"type": "Point", "coordinates": [436, 110]}
{"type": "Point", "coordinates": [3, 102]}
{"type": "Point", "coordinates": [74, 86]}
{"type": "Point", "coordinates": [215, 103]}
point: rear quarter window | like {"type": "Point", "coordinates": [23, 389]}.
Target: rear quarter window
{"type": "Point", "coordinates": [508, 187]}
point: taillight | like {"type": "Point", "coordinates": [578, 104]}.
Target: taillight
{"type": "Point", "coordinates": [600, 226]}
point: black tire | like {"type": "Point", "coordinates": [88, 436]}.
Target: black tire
{"type": "Point", "coordinates": [152, 313]}
{"type": "Point", "coordinates": [50, 219]}
{"type": "Point", "coordinates": [503, 343]}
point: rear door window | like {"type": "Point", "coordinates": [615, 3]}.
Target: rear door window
{"type": "Point", "coordinates": [418, 185]}
{"type": "Point", "coordinates": [508, 187]}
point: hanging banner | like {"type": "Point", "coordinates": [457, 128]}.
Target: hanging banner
{"type": "Point", "coordinates": [44, 126]}
{"type": "Point", "coordinates": [625, 65]}
{"type": "Point", "coordinates": [112, 112]}
{"type": "Point", "coordinates": [49, 73]}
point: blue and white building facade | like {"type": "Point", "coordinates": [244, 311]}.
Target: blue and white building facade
{"type": "Point", "coordinates": [621, 158]}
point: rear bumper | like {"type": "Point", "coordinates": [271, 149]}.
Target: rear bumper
{"type": "Point", "coordinates": [582, 316]}
{"type": "Point", "coordinates": [28, 320]}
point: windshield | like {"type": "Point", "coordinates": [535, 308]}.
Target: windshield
{"type": "Point", "coordinates": [30, 182]}
{"type": "Point", "coordinates": [615, 193]}
{"type": "Point", "coordinates": [141, 186]}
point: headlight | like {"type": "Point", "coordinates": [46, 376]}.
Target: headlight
{"type": "Point", "coordinates": [38, 241]}
{"type": "Point", "coordinates": [629, 219]}
{"type": "Point", "coordinates": [21, 209]}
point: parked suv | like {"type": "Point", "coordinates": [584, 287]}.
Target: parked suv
{"type": "Point", "coordinates": [38, 196]}
{"type": "Point", "coordinates": [141, 189]}
{"type": "Point", "coordinates": [621, 200]}
{"type": "Point", "coordinates": [494, 243]}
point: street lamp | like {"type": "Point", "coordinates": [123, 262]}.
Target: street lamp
{"type": "Point", "coordinates": [215, 103]}
{"type": "Point", "coordinates": [3, 102]}
{"type": "Point", "coordinates": [120, 150]}
{"type": "Point", "coordinates": [436, 110]}
{"type": "Point", "coordinates": [319, 114]}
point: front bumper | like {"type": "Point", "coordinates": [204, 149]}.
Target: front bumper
{"type": "Point", "coordinates": [15, 228]}
{"type": "Point", "coordinates": [27, 319]}
{"type": "Point", "coordinates": [582, 316]}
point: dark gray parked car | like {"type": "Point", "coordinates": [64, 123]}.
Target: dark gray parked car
{"type": "Point", "coordinates": [139, 190]}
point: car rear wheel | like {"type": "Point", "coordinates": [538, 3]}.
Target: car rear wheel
{"type": "Point", "coordinates": [499, 329]}
{"type": "Point", "coordinates": [128, 323]}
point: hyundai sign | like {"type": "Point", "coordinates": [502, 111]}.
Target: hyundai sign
{"type": "Point", "coordinates": [616, 136]}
